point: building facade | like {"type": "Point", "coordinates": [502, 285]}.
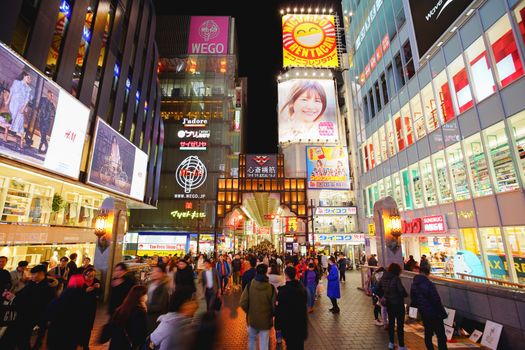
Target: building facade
{"type": "Point", "coordinates": [80, 120]}
{"type": "Point", "coordinates": [203, 101]}
{"type": "Point", "coordinates": [439, 121]}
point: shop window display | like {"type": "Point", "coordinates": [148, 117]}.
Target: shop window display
{"type": "Point", "coordinates": [495, 252]}
{"type": "Point", "coordinates": [517, 125]}
{"type": "Point", "coordinates": [516, 238]}
{"type": "Point", "coordinates": [391, 145]}
{"type": "Point", "coordinates": [417, 114]}
{"type": "Point", "coordinates": [381, 189]}
{"type": "Point", "coordinates": [365, 157]}
{"type": "Point", "coordinates": [477, 163]}
{"type": "Point", "coordinates": [431, 111]}
{"type": "Point", "coordinates": [505, 51]}
{"type": "Point", "coordinates": [417, 186]}
{"type": "Point", "coordinates": [25, 202]}
{"type": "Point", "coordinates": [377, 151]}
{"type": "Point", "coordinates": [407, 125]}
{"type": "Point", "coordinates": [399, 132]}
{"type": "Point", "coordinates": [444, 97]}
{"type": "Point", "coordinates": [470, 242]}
{"type": "Point", "coordinates": [443, 189]}
{"type": "Point", "coordinates": [501, 159]}
{"type": "Point", "coordinates": [458, 172]}
{"type": "Point", "coordinates": [398, 191]}
{"type": "Point", "coordinates": [388, 187]}
{"type": "Point", "coordinates": [428, 182]}
{"type": "Point", "coordinates": [408, 193]}
{"type": "Point", "coordinates": [382, 143]}
{"type": "Point", "coordinates": [460, 81]}
{"type": "Point", "coordinates": [371, 154]}
{"type": "Point", "coordinates": [481, 73]}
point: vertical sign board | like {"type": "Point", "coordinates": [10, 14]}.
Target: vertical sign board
{"type": "Point", "coordinates": [208, 35]}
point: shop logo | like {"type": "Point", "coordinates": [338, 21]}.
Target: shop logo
{"type": "Point", "coordinates": [209, 30]}
{"type": "Point", "coordinates": [191, 174]}
{"type": "Point", "coordinates": [261, 160]}
{"type": "Point", "coordinates": [436, 7]}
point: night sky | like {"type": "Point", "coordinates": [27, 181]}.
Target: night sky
{"type": "Point", "coordinates": [260, 55]}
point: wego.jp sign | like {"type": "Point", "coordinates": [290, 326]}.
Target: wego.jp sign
{"type": "Point", "coordinates": [433, 18]}
{"type": "Point", "coordinates": [208, 35]}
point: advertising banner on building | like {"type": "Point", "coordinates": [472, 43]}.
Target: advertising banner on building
{"type": "Point", "coordinates": [307, 111]}
{"type": "Point", "coordinates": [161, 245]}
{"type": "Point", "coordinates": [190, 175]}
{"type": "Point", "coordinates": [40, 123]}
{"type": "Point", "coordinates": [261, 166]}
{"type": "Point", "coordinates": [327, 168]}
{"type": "Point", "coordinates": [433, 18]}
{"type": "Point", "coordinates": [208, 35]}
{"type": "Point", "coordinates": [343, 238]}
{"type": "Point", "coordinates": [336, 211]}
{"type": "Point", "coordinates": [309, 41]}
{"type": "Point", "coordinates": [116, 164]}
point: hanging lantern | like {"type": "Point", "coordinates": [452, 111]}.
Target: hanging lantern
{"type": "Point", "coordinates": [395, 225]}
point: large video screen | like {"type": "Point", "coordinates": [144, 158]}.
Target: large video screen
{"type": "Point", "coordinates": [116, 164]}
{"type": "Point", "coordinates": [432, 18]}
{"type": "Point", "coordinates": [309, 41]}
{"type": "Point", "coordinates": [327, 168]}
{"type": "Point", "coordinates": [307, 111]}
{"type": "Point", "coordinates": [40, 123]}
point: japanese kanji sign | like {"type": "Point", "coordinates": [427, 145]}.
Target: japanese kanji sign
{"type": "Point", "coordinates": [261, 166]}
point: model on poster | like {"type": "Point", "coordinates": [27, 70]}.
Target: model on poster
{"type": "Point", "coordinates": [307, 111]}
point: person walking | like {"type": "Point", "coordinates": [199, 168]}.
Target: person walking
{"type": "Point", "coordinates": [210, 283]}
{"type": "Point", "coordinates": [121, 284]}
{"type": "Point", "coordinates": [158, 296]}
{"type": "Point", "coordinates": [184, 278]}
{"type": "Point", "coordinates": [333, 289]}
{"type": "Point", "coordinates": [63, 334]}
{"type": "Point", "coordinates": [393, 295]}
{"type": "Point", "coordinates": [425, 297]}
{"type": "Point", "coordinates": [236, 269]}
{"type": "Point", "coordinates": [274, 277]}
{"type": "Point", "coordinates": [310, 281]}
{"type": "Point", "coordinates": [31, 303]}
{"type": "Point", "coordinates": [290, 312]}
{"type": "Point", "coordinates": [341, 263]}
{"type": "Point", "coordinates": [92, 293]}
{"type": "Point", "coordinates": [224, 270]}
{"type": "Point", "coordinates": [410, 264]}
{"type": "Point", "coordinates": [257, 301]}
{"type": "Point", "coordinates": [129, 323]}
{"type": "Point", "coordinates": [19, 277]}
{"type": "Point", "coordinates": [249, 274]}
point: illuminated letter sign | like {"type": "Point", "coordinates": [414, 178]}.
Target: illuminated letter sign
{"type": "Point", "coordinates": [188, 214]}
{"type": "Point", "coordinates": [434, 224]}
{"type": "Point", "coordinates": [208, 35]}
{"type": "Point", "coordinates": [191, 174]}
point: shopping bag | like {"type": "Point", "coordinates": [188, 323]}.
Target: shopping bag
{"type": "Point", "coordinates": [7, 314]}
{"type": "Point", "coordinates": [412, 312]}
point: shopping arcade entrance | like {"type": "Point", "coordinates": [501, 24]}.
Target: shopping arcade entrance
{"type": "Point", "coordinates": [261, 195]}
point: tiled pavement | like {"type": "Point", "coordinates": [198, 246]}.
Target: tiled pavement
{"type": "Point", "coordinates": [353, 328]}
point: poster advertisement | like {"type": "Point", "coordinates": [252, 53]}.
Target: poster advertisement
{"type": "Point", "coordinates": [307, 111]}
{"type": "Point", "coordinates": [40, 123]}
{"type": "Point", "coordinates": [309, 41]}
{"type": "Point", "coordinates": [208, 35]}
{"type": "Point", "coordinates": [116, 164]}
{"type": "Point", "coordinates": [162, 245]}
{"type": "Point", "coordinates": [327, 168]}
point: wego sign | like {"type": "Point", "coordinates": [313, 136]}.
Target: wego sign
{"type": "Point", "coordinates": [208, 35]}
{"type": "Point", "coordinates": [191, 174]}
{"type": "Point", "coordinates": [427, 224]}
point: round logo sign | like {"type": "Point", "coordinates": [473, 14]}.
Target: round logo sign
{"type": "Point", "coordinates": [191, 173]}
{"type": "Point", "coordinates": [209, 30]}
{"type": "Point", "coordinates": [309, 41]}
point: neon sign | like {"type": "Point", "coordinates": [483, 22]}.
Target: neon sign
{"type": "Point", "coordinates": [188, 214]}
{"type": "Point", "coordinates": [191, 174]}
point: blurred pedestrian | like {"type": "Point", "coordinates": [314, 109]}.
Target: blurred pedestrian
{"type": "Point", "coordinates": [257, 301]}
{"type": "Point", "coordinates": [342, 268]}
{"type": "Point", "coordinates": [394, 295]}
{"type": "Point", "coordinates": [210, 283]}
{"type": "Point", "coordinates": [158, 296]}
{"type": "Point", "coordinates": [5, 276]}
{"type": "Point", "coordinates": [19, 276]}
{"type": "Point", "coordinates": [184, 278]}
{"type": "Point", "coordinates": [129, 324]}
{"type": "Point", "coordinates": [310, 281]}
{"type": "Point", "coordinates": [224, 270]}
{"type": "Point", "coordinates": [290, 312]}
{"type": "Point", "coordinates": [92, 291]}
{"type": "Point", "coordinates": [333, 289]}
{"type": "Point", "coordinates": [425, 298]}
{"type": "Point", "coordinates": [121, 284]}
{"type": "Point", "coordinates": [236, 270]}
{"type": "Point", "coordinates": [249, 274]}
{"type": "Point", "coordinates": [425, 263]}
{"type": "Point", "coordinates": [410, 264]}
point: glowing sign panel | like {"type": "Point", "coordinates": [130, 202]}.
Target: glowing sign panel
{"type": "Point", "coordinates": [191, 174]}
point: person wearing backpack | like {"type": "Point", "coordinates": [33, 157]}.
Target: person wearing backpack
{"type": "Point", "coordinates": [425, 297]}
{"type": "Point", "coordinates": [393, 296]}
{"type": "Point", "coordinates": [258, 301]}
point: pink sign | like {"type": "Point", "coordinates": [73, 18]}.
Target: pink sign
{"type": "Point", "coordinates": [434, 224]}
{"type": "Point", "coordinates": [208, 35]}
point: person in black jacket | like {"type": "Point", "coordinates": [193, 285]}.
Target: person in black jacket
{"type": "Point", "coordinates": [92, 292]}
{"type": "Point", "coordinates": [341, 263]}
{"type": "Point", "coordinates": [129, 321]}
{"type": "Point", "coordinates": [290, 312]}
{"type": "Point", "coordinates": [425, 297]}
{"type": "Point", "coordinates": [391, 288]}
{"type": "Point", "coordinates": [249, 274]}
{"type": "Point", "coordinates": [31, 303]}
{"type": "Point", "coordinates": [121, 284]}
{"type": "Point", "coordinates": [5, 276]}
{"type": "Point", "coordinates": [184, 279]}
{"type": "Point", "coordinates": [236, 269]}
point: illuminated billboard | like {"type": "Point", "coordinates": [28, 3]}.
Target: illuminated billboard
{"type": "Point", "coordinates": [307, 111]}
{"type": "Point", "coordinates": [309, 41]}
{"type": "Point", "coordinates": [261, 166]}
{"type": "Point", "coordinates": [327, 168]}
{"type": "Point", "coordinates": [116, 164]}
{"type": "Point", "coordinates": [208, 35]}
{"type": "Point", "coordinates": [161, 244]}
{"type": "Point", "coordinates": [40, 123]}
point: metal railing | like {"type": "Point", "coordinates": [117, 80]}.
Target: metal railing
{"type": "Point", "coordinates": [492, 281]}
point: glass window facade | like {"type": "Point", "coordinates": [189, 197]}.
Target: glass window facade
{"type": "Point", "coordinates": [478, 166]}
{"type": "Point", "coordinates": [480, 69]}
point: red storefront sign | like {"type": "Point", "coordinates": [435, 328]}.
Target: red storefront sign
{"type": "Point", "coordinates": [427, 224]}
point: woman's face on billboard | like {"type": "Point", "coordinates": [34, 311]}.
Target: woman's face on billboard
{"type": "Point", "coordinates": [308, 106]}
